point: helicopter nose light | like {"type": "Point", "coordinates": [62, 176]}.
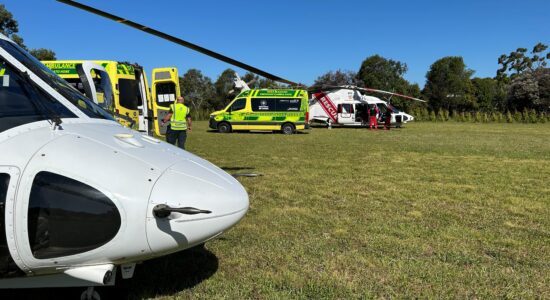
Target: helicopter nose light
{"type": "Point", "coordinates": [162, 211]}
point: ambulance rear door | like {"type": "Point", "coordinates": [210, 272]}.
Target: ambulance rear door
{"type": "Point", "coordinates": [143, 122]}
{"type": "Point", "coordinates": [165, 89]}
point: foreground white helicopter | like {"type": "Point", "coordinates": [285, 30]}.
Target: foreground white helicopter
{"type": "Point", "coordinates": [347, 106]}
{"type": "Point", "coordinates": [82, 196]}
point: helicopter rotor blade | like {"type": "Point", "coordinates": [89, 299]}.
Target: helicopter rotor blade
{"type": "Point", "coordinates": [369, 90]}
{"type": "Point", "coordinates": [177, 41]}
{"type": "Point", "coordinates": [391, 93]}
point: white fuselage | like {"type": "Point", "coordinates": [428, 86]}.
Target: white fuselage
{"type": "Point", "coordinates": [347, 107]}
{"type": "Point", "coordinates": [80, 195]}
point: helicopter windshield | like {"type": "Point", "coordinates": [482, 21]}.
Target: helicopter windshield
{"type": "Point", "coordinates": [22, 102]}
{"type": "Point", "coordinates": [86, 105]}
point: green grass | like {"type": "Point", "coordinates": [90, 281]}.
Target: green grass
{"type": "Point", "coordinates": [434, 210]}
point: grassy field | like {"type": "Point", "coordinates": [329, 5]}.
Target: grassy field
{"type": "Point", "coordinates": [434, 210]}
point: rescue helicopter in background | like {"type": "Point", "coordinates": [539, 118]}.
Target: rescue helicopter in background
{"type": "Point", "coordinates": [343, 105]}
{"type": "Point", "coordinates": [81, 196]}
{"type": "Point", "coordinates": [348, 106]}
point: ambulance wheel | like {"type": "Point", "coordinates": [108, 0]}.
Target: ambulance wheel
{"type": "Point", "coordinates": [224, 127]}
{"type": "Point", "coordinates": [287, 128]}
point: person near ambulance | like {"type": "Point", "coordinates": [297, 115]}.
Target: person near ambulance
{"type": "Point", "coordinates": [180, 121]}
{"type": "Point", "coordinates": [373, 116]}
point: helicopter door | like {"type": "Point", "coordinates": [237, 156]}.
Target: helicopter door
{"type": "Point", "coordinates": [96, 83]}
{"type": "Point", "coordinates": [165, 91]}
{"type": "Point", "coordinates": [8, 268]}
{"type": "Point", "coordinates": [346, 113]}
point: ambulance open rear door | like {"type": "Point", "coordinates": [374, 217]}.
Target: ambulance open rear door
{"type": "Point", "coordinates": [144, 122]}
{"type": "Point", "coordinates": [165, 90]}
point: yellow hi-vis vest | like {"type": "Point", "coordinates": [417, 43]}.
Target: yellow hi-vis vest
{"type": "Point", "coordinates": [178, 120]}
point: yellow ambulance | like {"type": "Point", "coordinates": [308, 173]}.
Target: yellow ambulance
{"type": "Point", "coordinates": [284, 110]}
{"type": "Point", "coordinates": [133, 104]}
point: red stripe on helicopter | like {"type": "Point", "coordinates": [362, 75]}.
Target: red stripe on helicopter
{"type": "Point", "coordinates": [327, 105]}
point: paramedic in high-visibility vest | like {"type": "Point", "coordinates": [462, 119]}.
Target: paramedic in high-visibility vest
{"type": "Point", "coordinates": [180, 122]}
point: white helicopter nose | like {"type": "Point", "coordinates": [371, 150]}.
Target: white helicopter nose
{"type": "Point", "coordinates": [192, 202]}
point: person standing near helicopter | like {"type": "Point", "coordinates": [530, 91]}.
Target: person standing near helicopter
{"type": "Point", "coordinates": [387, 117]}
{"type": "Point", "coordinates": [373, 116]}
{"type": "Point", "coordinates": [180, 122]}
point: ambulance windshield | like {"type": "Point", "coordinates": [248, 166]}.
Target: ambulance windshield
{"type": "Point", "coordinates": [64, 88]}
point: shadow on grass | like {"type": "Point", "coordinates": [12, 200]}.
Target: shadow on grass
{"type": "Point", "coordinates": [236, 168]}
{"type": "Point", "coordinates": [163, 276]}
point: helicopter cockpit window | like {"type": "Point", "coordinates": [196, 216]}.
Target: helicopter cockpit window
{"type": "Point", "coordinates": [8, 268]}
{"type": "Point", "coordinates": [86, 105]}
{"type": "Point", "coordinates": [68, 217]}
{"type": "Point", "coordinates": [22, 102]}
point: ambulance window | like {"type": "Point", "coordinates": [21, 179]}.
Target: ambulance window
{"type": "Point", "coordinates": [68, 217]}
{"type": "Point", "coordinates": [238, 105]}
{"type": "Point", "coordinates": [165, 93]}
{"type": "Point", "coordinates": [22, 101]}
{"type": "Point", "coordinates": [8, 268]}
{"type": "Point", "coordinates": [263, 104]}
{"type": "Point", "coordinates": [130, 97]}
{"type": "Point", "coordinates": [288, 104]}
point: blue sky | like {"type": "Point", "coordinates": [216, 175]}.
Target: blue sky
{"type": "Point", "coordinates": [298, 40]}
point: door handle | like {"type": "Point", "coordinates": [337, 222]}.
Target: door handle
{"type": "Point", "coordinates": [163, 210]}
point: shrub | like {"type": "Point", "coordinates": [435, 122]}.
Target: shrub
{"type": "Point", "coordinates": [533, 116]}
{"type": "Point", "coordinates": [485, 118]}
{"type": "Point", "coordinates": [467, 117]}
{"type": "Point", "coordinates": [477, 117]}
{"type": "Point", "coordinates": [440, 115]}
{"type": "Point", "coordinates": [432, 116]}
{"type": "Point", "coordinates": [517, 116]}
{"type": "Point", "coordinates": [542, 118]}
{"type": "Point", "coordinates": [454, 116]}
{"type": "Point", "coordinates": [509, 117]}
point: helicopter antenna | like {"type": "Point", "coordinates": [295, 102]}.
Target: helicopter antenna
{"type": "Point", "coordinates": [177, 41]}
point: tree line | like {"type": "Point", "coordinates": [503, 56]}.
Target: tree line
{"type": "Point", "coordinates": [519, 91]}
{"type": "Point", "coordinates": [521, 84]}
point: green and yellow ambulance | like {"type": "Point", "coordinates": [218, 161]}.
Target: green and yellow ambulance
{"type": "Point", "coordinates": [133, 104]}
{"type": "Point", "coordinates": [264, 109]}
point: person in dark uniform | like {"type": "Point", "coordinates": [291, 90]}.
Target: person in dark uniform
{"type": "Point", "coordinates": [387, 117]}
